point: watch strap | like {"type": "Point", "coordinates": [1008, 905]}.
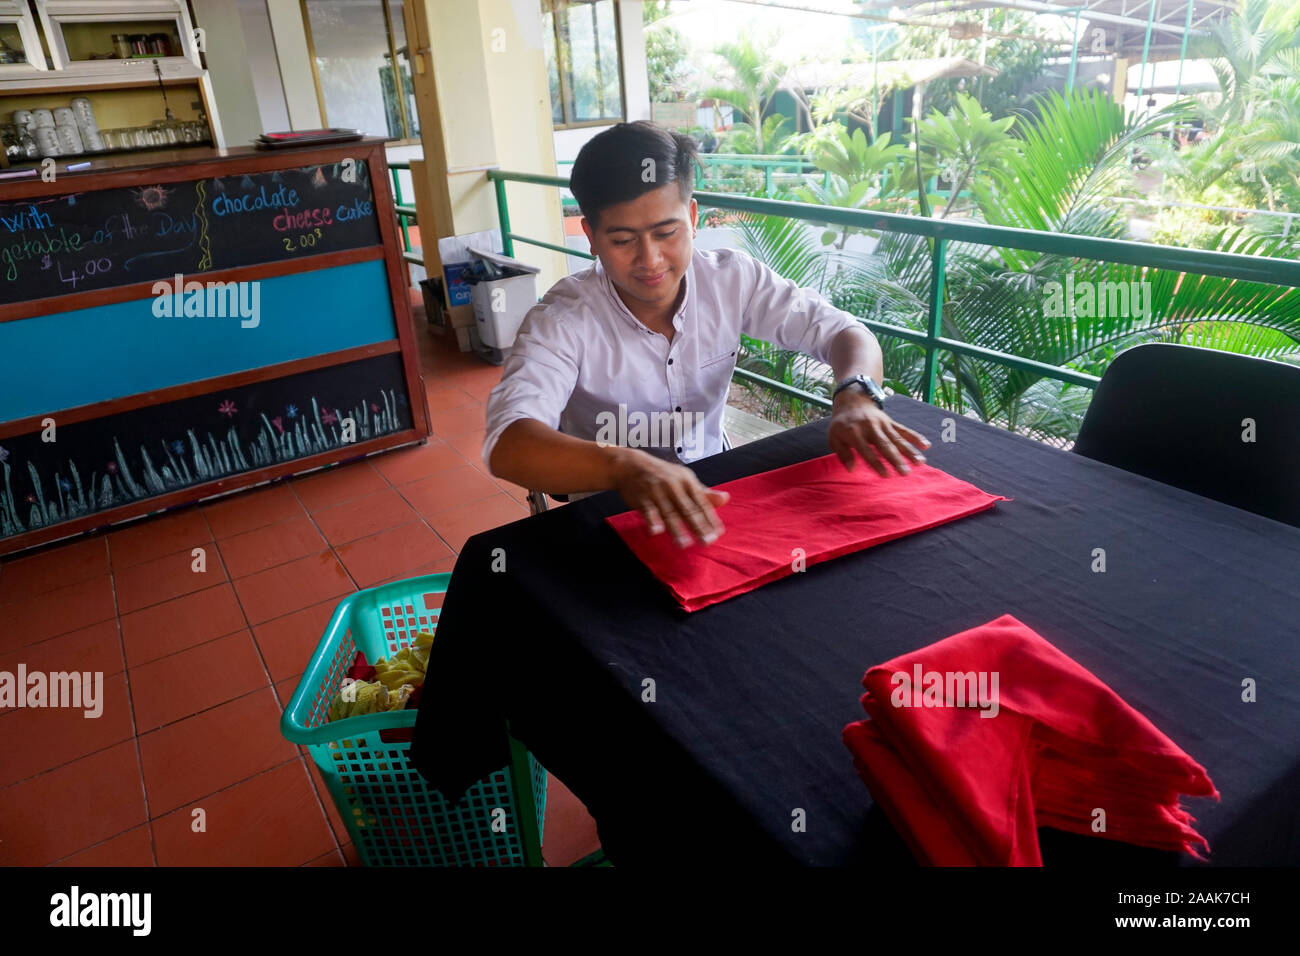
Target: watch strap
{"type": "Point", "coordinates": [876, 393]}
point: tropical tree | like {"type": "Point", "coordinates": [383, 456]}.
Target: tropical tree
{"type": "Point", "coordinates": [665, 52]}
{"type": "Point", "coordinates": [862, 174]}
{"type": "Point", "coordinates": [1253, 158]}
{"type": "Point", "coordinates": [1072, 154]}
{"type": "Point", "coordinates": [1241, 48]}
{"type": "Point", "coordinates": [1008, 40]}
{"type": "Point", "coordinates": [755, 78]}
{"type": "Point", "coordinates": [774, 137]}
{"type": "Point", "coordinates": [963, 142]}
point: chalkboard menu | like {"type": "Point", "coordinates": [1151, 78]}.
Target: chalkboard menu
{"type": "Point", "coordinates": [80, 242]}
{"type": "Point", "coordinates": [122, 459]}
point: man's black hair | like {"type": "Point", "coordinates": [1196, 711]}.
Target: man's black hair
{"type": "Point", "coordinates": [611, 168]}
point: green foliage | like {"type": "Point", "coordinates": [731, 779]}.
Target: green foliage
{"type": "Point", "coordinates": [665, 53]}
{"type": "Point", "coordinates": [1018, 61]}
{"type": "Point", "coordinates": [755, 76]}
{"type": "Point", "coordinates": [963, 142]}
{"type": "Point", "coordinates": [1068, 158]}
{"type": "Point", "coordinates": [850, 157]}
{"type": "Point", "coordinates": [1253, 160]}
{"type": "Point", "coordinates": [775, 137]}
{"type": "Point", "coordinates": [1071, 157]}
{"type": "Point", "coordinates": [862, 174]}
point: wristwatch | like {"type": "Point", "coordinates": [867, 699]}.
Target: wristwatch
{"type": "Point", "coordinates": [875, 391]}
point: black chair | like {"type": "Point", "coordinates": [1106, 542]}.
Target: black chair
{"type": "Point", "coordinates": [1178, 414]}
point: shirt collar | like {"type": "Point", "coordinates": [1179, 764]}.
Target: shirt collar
{"type": "Point", "coordinates": [679, 317]}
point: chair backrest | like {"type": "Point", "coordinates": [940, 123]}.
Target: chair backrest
{"type": "Point", "coordinates": [1218, 424]}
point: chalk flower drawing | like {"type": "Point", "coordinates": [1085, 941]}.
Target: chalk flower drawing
{"type": "Point", "coordinates": [204, 455]}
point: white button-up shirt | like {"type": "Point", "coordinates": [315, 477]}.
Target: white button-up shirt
{"type": "Point", "coordinates": [584, 364]}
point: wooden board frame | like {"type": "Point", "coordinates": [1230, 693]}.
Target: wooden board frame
{"type": "Point", "coordinates": [216, 163]}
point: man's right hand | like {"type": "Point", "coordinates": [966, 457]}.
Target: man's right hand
{"type": "Point", "coordinates": [669, 496]}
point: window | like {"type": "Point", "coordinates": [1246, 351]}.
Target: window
{"type": "Point", "coordinates": [354, 45]}
{"type": "Point", "coordinates": [582, 60]}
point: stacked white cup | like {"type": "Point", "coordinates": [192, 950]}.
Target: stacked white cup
{"type": "Point", "coordinates": [86, 125]}
{"type": "Point", "coordinates": [65, 125]}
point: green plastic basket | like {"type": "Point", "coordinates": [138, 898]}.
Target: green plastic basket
{"type": "Point", "coordinates": [393, 816]}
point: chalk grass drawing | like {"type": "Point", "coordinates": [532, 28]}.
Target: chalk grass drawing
{"type": "Point", "coordinates": [181, 463]}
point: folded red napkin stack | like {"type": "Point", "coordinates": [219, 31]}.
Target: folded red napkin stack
{"type": "Point", "coordinates": [976, 741]}
{"type": "Point", "coordinates": [795, 517]}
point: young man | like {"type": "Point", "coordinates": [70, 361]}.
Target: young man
{"type": "Point", "coordinates": [641, 347]}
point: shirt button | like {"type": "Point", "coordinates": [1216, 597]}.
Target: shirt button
{"type": "Point", "coordinates": [670, 361]}
{"type": "Point", "coordinates": [679, 451]}
{"type": "Point", "coordinates": [679, 408]}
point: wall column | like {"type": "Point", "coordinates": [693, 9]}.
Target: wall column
{"type": "Point", "coordinates": [479, 72]}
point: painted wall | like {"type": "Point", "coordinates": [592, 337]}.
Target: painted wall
{"type": "Point", "coordinates": [290, 37]}
{"type": "Point", "coordinates": [263, 65]}
{"type": "Point", "coordinates": [228, 67]}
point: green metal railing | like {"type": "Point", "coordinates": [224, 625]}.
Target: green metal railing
{"type": "Point", "coordinates": [405, 214]}
{"type": "Point", "coordinates": [943, 232]}
{"type": "Point", "coordinates": [710, 165]}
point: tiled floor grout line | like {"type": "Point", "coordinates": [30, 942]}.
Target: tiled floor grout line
{"type": "Point", "coordinates": [420, 515]}
{"type": "Point", "coordinates": [130, 704]}
{"type": "Point", "coordinates": [211, 542]}
{"type": "Point", "coordinates": [136, 735]}
{"type": "Point", "coordinates": [99, 843]}
{"type": "Point", "coordinates": [302, 754]}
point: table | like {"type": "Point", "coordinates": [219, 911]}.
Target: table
{"type": "Point", "coordinates": [750, 695]}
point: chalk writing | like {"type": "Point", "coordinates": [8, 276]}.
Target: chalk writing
{"type": "Point", "coordinates": [156, 231]}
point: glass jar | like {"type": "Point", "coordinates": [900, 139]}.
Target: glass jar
{"type": "Point", "coordinates": [13, 145]}
{"type": "Point", "coordinates": [122, 46]}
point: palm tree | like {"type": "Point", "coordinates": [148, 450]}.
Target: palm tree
{"type": "Point", "coordinates": [756, 76]}
{"type": "Point", "coordinates": [1271, 142]}
{"type": "Point", "coordinates": [1241, 47]}
{"type": "Point", "coordinates": [1070, 156]}
{"type": "Point", "coordinates": [772, 138]}
{"type": "Point", "coordinates": [1255, 53]}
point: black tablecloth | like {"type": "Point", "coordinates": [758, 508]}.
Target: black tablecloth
{"type": "Point", "coordinates": [750, 695]}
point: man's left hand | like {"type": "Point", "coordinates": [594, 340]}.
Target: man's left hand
{"type": "Point", "coordinates": [861, 427]}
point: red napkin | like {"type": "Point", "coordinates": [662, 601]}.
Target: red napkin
{"type": "Point", "coordinates": [817, 506]}
{"type": "Point", "coordinates": [966, 789]}
{"type": "Point", "coordinates": [361, 669]}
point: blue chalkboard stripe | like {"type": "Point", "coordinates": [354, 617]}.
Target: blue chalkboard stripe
{"type": "Point", "coordinates": [86, 356]}
{"type": "Point", "coordinates": [127, 293]}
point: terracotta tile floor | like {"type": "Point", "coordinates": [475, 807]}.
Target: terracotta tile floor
{"type": "Point", "coordinates": [198, 666]}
